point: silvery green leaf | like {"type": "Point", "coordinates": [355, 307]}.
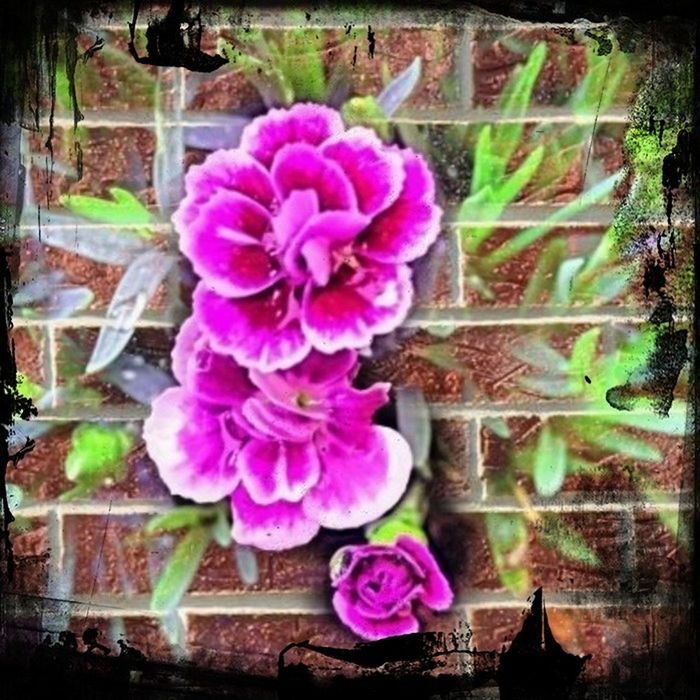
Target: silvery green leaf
{"type": "Point", "coordinates": [106, 245]}
{"type": "Point", "coordinates": [37, 288]}
{"type": "Point", "coordinates": [227, 134]}
{"type": "Point", "coordinates": [400, 88]}
{"type": "Point", "coordinates": [549, 468]}
{"type": "Point", "coordinates": [64, 302]}
{"type": "Point", "coordinates": [497, 426]}
{"type": "Point", "coordinates": [168, 169]}
{"type": "Point", "coordinates": [563, 284]}
{"type": "Point", "coordinates": [137, 378]}
{"type": "Point", "coordinates": [137, 286]}
{"type": "Point", "coordinates": [537, 352]}
{"type": "Point", "coordinates": [426, 270]}
{"type": "Point", "coordinates": [168, 161]}
{"type": "Point", "coordinates": [247, 564]}
{"type": "Point", "coordinates": [413, 418]}
{"type": "Point", "coordinates": [547, 387]}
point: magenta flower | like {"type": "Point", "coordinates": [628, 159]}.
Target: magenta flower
{"type": "Point", "coordinates": [295, 449]}
{"type": "Point", "coordinates": [302, 235]}
{"type": "Point", "coordinates": [378, 587]}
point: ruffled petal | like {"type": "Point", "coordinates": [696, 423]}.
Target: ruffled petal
{"type": "Point", "coordinates": [373, 629]}
{"type": "Point", "coordinates": [294, 212]}
{"type": "Point", "coordinates": [195, 456]}
{"type": "Point", "coordinates": [355, 307]}
{"type": "Point", "coordinates": [280, 525]}
{"type": "Point", "coordinates": [358, 406]}
{"type": "Point", "coordinates": [437, 593]}
{"type": "Point", "coordinates": [312, 251]}
{"type": "Point", "coordinates": [376, 172]}
{"type": "Point", "coordinates": [222, 170]}
{"type": "Point", "coordinates": [223, 244]}
{"type": "Point", "coordinates": [210, 375]}
{"type": "Point", "coordinates": [278, 471]}
{"type": "Point", "coordinates": [406, 230]}
{"type": "Point", "coordinates": [261, 332]}
{"type": "Point", "coordinates": [278, 422]}
{"type": "Point", "coordinates": [363, 475]}
{"type": "Point", "coordinates": [301, 123]}
{"type": "Point", "coordinates": [299, 166]}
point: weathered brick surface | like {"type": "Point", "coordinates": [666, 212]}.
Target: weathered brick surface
{"type": "Point", "coordinates": [29, 353]}
{"type": "Point", "coordinates": [31, 553]}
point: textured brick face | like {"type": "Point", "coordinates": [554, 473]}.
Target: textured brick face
{"type": "Point", "coordinates": [458, 346]}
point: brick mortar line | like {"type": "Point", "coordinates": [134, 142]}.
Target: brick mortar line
{"type": "Point", "coordinates": [574, 506]}
{"type": "Point", "coordinates": [470, 116]}
{"type": "Point", "coordinates": [475, 459]}
{"type": "Point", "coordinates": [296, 603]}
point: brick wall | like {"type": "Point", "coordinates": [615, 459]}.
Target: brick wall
{"type": "Point", "coordinates": [93, 551]}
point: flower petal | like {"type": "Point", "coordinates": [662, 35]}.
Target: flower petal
{"type": "Point", "coordinates": [313, 247]}
{"type": "Point", "coordinates": [210, 375]}
{"type": "Point", "coordinates": [358, 406]}
{"type": "Point", "coordinates": [376, 172]}
{"type": "Point", "coordinates": [262, 332]}
{"type": "Point", "coordinates": [302, 123]}
{"type": "Point", "coordinates": [278, 422]}
{"type": "Point", "coordinates": [299, 166]}
{"type": "Point", "coordinates": [363, 475]}
{"type": "Point", "coordinates": [280, 525]}
{"type": "Point", "coordinates": [222, 170]}
{"type": "Point", "coordinates": [406, 230]}
{"type": "Point", "coordinates": [278, 471]}
{"type": "Point", "coordinates": [437, 593]}
{"type": "Point", "coordinates": [194, 455]}
{"type": "Point", "coordinates": [369, 629]}
{"type": "Point", "coordinates": [294, 212]}
{"type": "Point", "coordinates": [354, 307]}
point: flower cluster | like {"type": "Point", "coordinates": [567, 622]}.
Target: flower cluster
{"type": "Point", "coordinates": [301, 238]}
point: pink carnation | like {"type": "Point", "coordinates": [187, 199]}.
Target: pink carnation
{"type": "Point", "coordinates": [294, 449]}
{"type": "Point", "coordinates": [302, 237]}
{"type": "Point", "coordinates": [379, 587]}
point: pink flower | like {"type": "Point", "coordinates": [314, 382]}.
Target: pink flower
{"type": "Point", "coordinates": [302, 235]}
{"type": "Point", "coordinates": [379, 586]}
{"type": "Point", "coordinates": [295, 450]}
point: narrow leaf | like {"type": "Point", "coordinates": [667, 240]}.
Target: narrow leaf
{"type": "Point", "coordinates": [413, 419]}
{"type": "Point", "coordinates": [176, 519]}
{"type": "Point", "coordinates": [555, 534]}
{"type": "Point", "coordinates": [549, 468]}
{"type": "Point", "coordinates": [178, 573]}
{"type": "Point", "coordinates": [137, 378]}
{"type": "Point", "coordinates": [514, 184]}
{"type": "Point", "coordinates": [616, 442]}
{"type": "Point", "coordinates": [125, 209]}
{"type": "Point", "coordinates": [400, 88]}
{"type": "Point", "coordinates": [247, 565]}
{"type": "Point", "coordinates": [564, 282]}
{"type": "Point", "coordinates": [131, 297]}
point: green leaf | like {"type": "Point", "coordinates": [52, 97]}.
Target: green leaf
{"type": "Point", "coordinates": [440, 355]}
{"type": "Point", "coordinates": [365, 111]}
{"type": "Point", "coordinates": [517, 580]}
{"type": "Point", "coordinates": [178, 573]}
{"type": "Point", "coordinates": [28, 389]}
{"type": "Point", "coordinates": [303, 65]}
{"type": "Point", "coordinates": [97, 453]}
{"type": "Point", "coordinates": [178, 518]}
{"type": "Point", "coordinates": [616, 442]}
{"type": "Point", "coordinates": [564, 281]}
{"type": "Point", "coordinates": [488, 169]}
{"type": "Point", "coordinates": [526, 238]}
{"type": "Point", "coordinates": [555, 534]}
{"type": "Point", "coordinates": [124, 209]}
{"type": "Point", "coordinates": [676, 423]}
{"type": "Point", "coordinates": [508, 536]}
{"type": "Point", "coordinates": [583, 357]}
{"type": "Point", "coordinates": [512, 187]}
{"type": "Point", "coordinates": [497, 426]}
{"type": "Point", "coordinates": [542, 276]}
{"type": "Point", "coordinates": [15, 495]}
{"type": "Point", "coordinates": [549, 469]}
{"type": "Point", "coordinates": [387, 531]}
{"type": "Point", "coordinates": [221, 529]}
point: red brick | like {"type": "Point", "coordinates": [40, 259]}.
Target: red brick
{"type": "Point", "coordinates": [613, 472]}
{"type": "Point", "coordinates": [481, 366]}
{"type": "Point", "coordinates": [29, 353]}
{"type": "Point", "coordinates": [112, 157]}
{"type": "Point", "coordinates": [662, 560]}
{"type": "Point", "coordinates": [463, 549]}
{"type": "Point", "coordinates": [242, 643]}
{"type": "Point", "coordinates": [31, 551]}
{"type": "Point", "coordinates": [111, 555]}
{"type": "Point", "coordinates": [564, 67]}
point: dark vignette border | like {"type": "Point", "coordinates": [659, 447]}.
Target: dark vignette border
{"type": "Point", "coordinates": [28, 31]}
